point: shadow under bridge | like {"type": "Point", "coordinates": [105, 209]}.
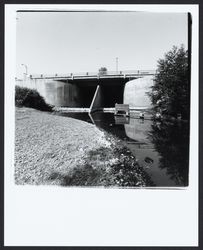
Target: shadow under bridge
{"type": "Point", "coordinates": [97, 94]}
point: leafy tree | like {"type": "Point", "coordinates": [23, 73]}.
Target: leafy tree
{"type": "Point", "coordinates": [170, 94]}
{"type": "Point", "coordinates": [103, 71]}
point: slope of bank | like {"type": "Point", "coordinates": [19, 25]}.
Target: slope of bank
{"type": "Point", "coordinates": [58, 150]}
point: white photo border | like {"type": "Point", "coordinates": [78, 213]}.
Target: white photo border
{"type": "Point", "coordinates": [57, 216]}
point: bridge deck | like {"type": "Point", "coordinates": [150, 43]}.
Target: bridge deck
{"type": "Point", "coordinates": [96, 75]}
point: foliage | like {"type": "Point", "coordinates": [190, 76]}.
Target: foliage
{"type": "Point", "coordinates": [30, 98]}
{"type": "Point", "coordinates": [103, 71]}
{"type": "Point", "coordinates": [171, 141]}
{"type": "Point", "coordinates": [170, 93]}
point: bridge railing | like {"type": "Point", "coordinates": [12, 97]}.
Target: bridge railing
{"type": "Point", "coordinates": [95, 74]}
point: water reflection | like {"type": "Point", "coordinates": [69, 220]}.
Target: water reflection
{"type": "Point", "coordinates": [122, 120]}
{"type": "Point", "coordinates": [138, 129]}
{"type": "Point", "coordinates": [110, 123]}
{"type": "Point", "coordinates": [160, 148]}
{"type": "Point", "coordinates": [171, 141]}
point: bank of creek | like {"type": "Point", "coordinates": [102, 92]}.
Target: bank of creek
{"type": "Point", "coordinates": [101, 150]}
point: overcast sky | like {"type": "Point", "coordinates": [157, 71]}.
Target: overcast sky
{"type": "Point", "coordinates": [63, 42]}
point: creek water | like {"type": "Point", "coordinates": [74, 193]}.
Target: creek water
{"type": "Point", "coordinates": [161, 148]}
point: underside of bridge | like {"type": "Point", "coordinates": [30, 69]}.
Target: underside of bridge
{"type": "Point", "coordinates": [85, 96]}
{"type": "Point", "coordinates": [102, 97]}
{"type": "Point", "coordinates": [112, 94]}
{"type": "Point", "coordinates": [80, 93]}
{"type": "Point", "coordinates": [102, 93]}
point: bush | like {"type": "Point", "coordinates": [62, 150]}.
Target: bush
{"type": "Point", "coordinates": [30, 98]}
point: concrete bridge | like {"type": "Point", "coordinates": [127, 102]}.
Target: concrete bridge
{"type": "Point", "coordinates": [130, 74]}
{"type": "Point", "coordinates": [92, 90]}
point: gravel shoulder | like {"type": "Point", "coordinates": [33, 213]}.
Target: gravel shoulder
{"type": "Point", "coordinates": [58, 150]}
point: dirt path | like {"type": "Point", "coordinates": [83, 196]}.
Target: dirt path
{"type": "Point", "coordinates": [59, 150]}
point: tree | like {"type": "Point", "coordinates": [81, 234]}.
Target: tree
{"type": "Point", "coordinates": [170, 93]}
{"type": "Point", "coordinates": [103, 71]}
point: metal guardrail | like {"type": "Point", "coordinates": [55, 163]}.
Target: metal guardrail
{"type": "Point", "coordinates": [96, 74]}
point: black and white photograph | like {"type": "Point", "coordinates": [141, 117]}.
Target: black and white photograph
{"type": "Point", "coordinates": [101, 125]}
{"type": "Point", "coordinates": [103, 102]}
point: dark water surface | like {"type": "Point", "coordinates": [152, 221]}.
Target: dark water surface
{"type": "Point", "coordinates": [161, 148]}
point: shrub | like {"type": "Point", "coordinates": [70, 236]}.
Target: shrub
{"type": "Point", "coordinates": [30, 98]}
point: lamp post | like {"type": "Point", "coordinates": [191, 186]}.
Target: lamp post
{"type": "Point", "coordinates": [116, 64]}
{"type": "Point", "coordinates": [26, 71]}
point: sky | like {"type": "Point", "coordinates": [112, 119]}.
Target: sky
{"type": "Point", "coordinates": [65, 42]}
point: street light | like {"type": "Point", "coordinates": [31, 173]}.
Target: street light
{"type": "Point", "coordinates": [25, 68]}
{"type": "Point", "coordinates": [116, 64]}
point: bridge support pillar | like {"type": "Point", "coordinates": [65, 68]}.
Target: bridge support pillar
{"type": "Point", "coordinates": [97, 100]}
